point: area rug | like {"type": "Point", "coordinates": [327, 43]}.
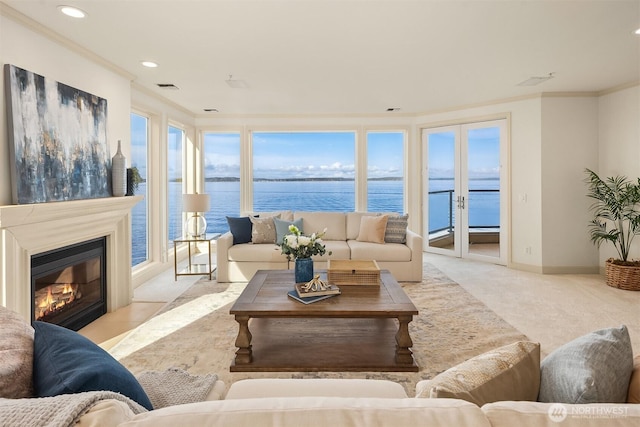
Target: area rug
{"type": "Point", "coordinates": [196, 333]}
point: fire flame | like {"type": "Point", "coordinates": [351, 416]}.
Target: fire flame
{"type": "Point", "coordinates": [50, 303]}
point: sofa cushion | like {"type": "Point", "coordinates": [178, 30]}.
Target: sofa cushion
{"type": "Point", "coordinates": [394, 252]}
{"type": "Point", "coordinates": [316, 412]}
{"type": "Point", "coordinates": [595, 368]}
{"type": "Point", "coordinates": [327, 387]}
{"type": "Point", "coordinates": [339, 249]}
{"type": "Point", "coordinates": [633, 396]}
{"type": "Point", "coordinates": [240, 229]}
{"type": "Point", "coordinates": [316, 222]}
{"type": "Point", "coordinates": [106, 413]}
{"type": "Point", "coordinates": [65, 362]}
{"type": "Point", "coordinates": [16, 355]}
{"type": "Point", "coordinates": [511, 372]}
{"type": "Point", "coordinates": [263, 230]}
{"type": "Point", "coordinates": [372, 229]}
{"type": "Point", "coordinates": [248, 252]}
{"type": "Point", "coordinates": [282, 227]}
{"type": "Point", "coordinates": [396, 231]}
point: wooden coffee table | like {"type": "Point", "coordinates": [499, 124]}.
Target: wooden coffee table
{"type": "Point", "coordinates": [366, 328]}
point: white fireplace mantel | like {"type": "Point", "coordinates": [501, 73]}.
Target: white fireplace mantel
{"type": "Point", "coordinates": [27, 230]}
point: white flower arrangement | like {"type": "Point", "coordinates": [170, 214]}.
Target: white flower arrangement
{"type": "Point", "coordinates": [297, 245]}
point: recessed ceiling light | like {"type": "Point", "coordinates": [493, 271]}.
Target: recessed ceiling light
{"type": "Point", "coordinates": [73, 12]}
{"type": "Point", "coordinates": [638, 31]}
{"type": "Point", "coordinates": [149, 64]}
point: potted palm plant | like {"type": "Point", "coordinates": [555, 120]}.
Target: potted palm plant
{"type": "Point", "coordinates": [616, 212]}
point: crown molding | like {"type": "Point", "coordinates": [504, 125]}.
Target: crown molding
{"type": "Point", "coordinates": [619, 88]}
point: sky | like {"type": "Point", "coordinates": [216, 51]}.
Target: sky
{"type": "Point", "coordinates": [304, 154]}
{"type": "Point", "coordinates": [483, 153]}
{"type": "Point", "coordinates": [324, 154]}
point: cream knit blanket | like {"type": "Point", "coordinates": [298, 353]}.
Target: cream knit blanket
{"type": "Point", "coordinates": [57, 411]}
{"type": "Point", "coordinates": [175, 387]}
{"type": "Point", "coordinates": [171, 387]}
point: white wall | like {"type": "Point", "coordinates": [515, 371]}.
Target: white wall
{"type": "Point", "coordinates": [27, 48]}
{"type": "Point", "coordinates": [569, 145]}
{"type": "Point", "coordinates": [619, 145]}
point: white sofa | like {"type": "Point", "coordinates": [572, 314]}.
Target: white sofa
{"type": "Point", "coordinates": [238, 263]}
{"type": "Point", "coordinates": [350, 402]}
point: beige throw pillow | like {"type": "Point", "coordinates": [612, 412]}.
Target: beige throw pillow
{"type": "Point", "coordinates": [263, 230]}
{"type": "Point", "coordinates": [372, 229]}
{"type": "Point", "coordinates": [511, 372]}
{"type": "Point", "coordinates": [16, 356]}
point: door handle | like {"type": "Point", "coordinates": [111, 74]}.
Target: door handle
{"type": "Point", "coordinates": [460, 202]}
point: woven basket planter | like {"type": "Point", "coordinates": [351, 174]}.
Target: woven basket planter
{"type": "Point", "coordinates": [623, 276]}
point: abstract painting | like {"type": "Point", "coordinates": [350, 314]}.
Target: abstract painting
{"type": "Point", "coordinates": [58, 140]}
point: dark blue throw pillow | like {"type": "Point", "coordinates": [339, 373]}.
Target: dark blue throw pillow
{"type": "Point", "coordinates": [240, 229]}
{"type": "Point", "coordinates": [65, 362]}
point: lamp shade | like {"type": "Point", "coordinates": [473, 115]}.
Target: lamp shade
{"type": "Point", "coordinates": [195, 202]}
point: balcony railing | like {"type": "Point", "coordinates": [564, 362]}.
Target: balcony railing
{"type": "Point", "coordinates": [449, 227]}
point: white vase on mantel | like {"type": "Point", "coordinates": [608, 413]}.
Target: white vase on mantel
{"type": "Point", "coordinates": [119, 173]}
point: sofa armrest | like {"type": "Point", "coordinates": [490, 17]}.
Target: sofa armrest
{"type": "Point", "coordinates": [534, 414]}
{"type": "Point", "coordinates": [414, 241]}
{"type": "Point", "coordinates": [223, 244]}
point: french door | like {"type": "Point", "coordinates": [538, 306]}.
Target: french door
{"type": "Point", "coordinates": [465, 182]}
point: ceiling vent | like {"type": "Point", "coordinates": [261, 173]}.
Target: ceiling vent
{"type": "Point", "coordinates": [211, 110]}
{"type": "Point", "coordinates": [533, 81]}
{"type": "Point", "coordinates": [169, 86]}
{"type": "Point", "coordinates": [236, 84]}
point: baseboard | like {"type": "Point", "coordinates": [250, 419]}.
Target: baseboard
{"type": "Point", "coordinates": [571, 270]}
{"type": "Point", "coordinates": [556, 269]}
{"type": "Point", "coordinates": [525, 267]}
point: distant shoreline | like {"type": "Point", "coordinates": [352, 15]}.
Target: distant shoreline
{"type": "Point", "coordinates": [234, 179]}
{"type": "Point", "coordinates": [321, 179]}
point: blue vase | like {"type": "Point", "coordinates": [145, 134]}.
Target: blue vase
{"type": "Point", "coordinates": [303, 270]}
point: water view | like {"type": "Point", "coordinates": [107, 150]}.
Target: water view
{"type": "Point", "coordinates": [324, 195]}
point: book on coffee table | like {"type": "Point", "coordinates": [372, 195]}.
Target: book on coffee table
{"type": "Point", "coordinates": [308, 300]}
{"type": "Point", "coordinates": [330, 290]}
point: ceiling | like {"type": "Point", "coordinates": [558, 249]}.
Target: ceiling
{"type": "Point", "coordinates": [355, 56]}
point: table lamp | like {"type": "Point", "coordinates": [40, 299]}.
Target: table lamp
{"type": "Point", "coordinates": [195, 227]}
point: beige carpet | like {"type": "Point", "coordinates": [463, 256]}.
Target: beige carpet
{"type": "Point", "coordinates": [196, 333]}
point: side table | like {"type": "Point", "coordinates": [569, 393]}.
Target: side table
{"type": "Point", "coordinates": [192, 268]}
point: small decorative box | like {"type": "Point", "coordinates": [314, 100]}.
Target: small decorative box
{"type": "Point", "coordinates": [353, 272]}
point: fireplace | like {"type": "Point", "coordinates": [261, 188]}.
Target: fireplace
{"type": "Point", "coordinates": [68, 285]}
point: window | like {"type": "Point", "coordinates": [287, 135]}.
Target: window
{"type": "Point", "coordinates": [139, 218]}
{"type": "Point", "coordinates": [222, 178]}
{"type": "Point", "coordinates": [304, 171]}
{"type": "Point", "coordinates": [175, 146]}
{"type": "Point", "coordinates": [385, 172]}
